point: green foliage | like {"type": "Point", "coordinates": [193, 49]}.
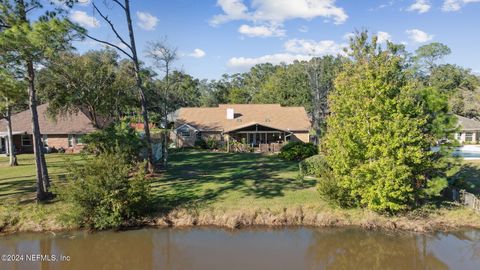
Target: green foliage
{"type": "Point", "coordinates": [212, 143]}
{"type": "Point", "coordinates": [209, 143]}
{"type": "Point", "coordinates": [201, 143]}
{"type": "Point", "coordinates": [95, 82]}
{"type": "Point", "coordinates": [117, 138]}
{"type": "Point", "coordinates": [288, 86]}
{"type": "Point", "coordinates": [297, 151]}
{"type": "Point", "coordinates": [428, 55]}
{"type": "Point", "coordinates": [450, 78]}
{"type": "Point", "coordinates": [315, 165]}
{"type": "Point", "coordinates": [466, 103]}
{"type": "Point", "coordinates": [106, 192]}
{"type": "Point", "coordinates": [36, 41]}
{"type": "Point", "coordinates": [381, 129]}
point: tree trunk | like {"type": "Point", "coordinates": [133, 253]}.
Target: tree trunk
{"type": "Point", "coordinates": [143, 100]}
{"type": "Point", "coordinates": [165, 135]}
{"type": "Point", "coordinates": [12, 154]}
{"type": "Point", "coordinates": [42, 172]}
{"type": "Point", "coordinates": [43, 181]}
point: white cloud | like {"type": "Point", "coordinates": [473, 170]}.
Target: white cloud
{"type": "Point", "coordinates": [278, 10]}
{"type": "Point", "coordinates": [311, 47]}
{"type": "Point", "coordinates": [197, 53]}
{"type": "Point", "coordinates": [146, 21]}
{"type": "Point", "coordinates": [420, 6]}
{"type": "Point", "coordinates": [295, 49]}
{"type": "Point", "coordinates": [261, 31]}
{"type": "Point", "coordinates": [383, 37]}
{"type": "Point", "coordinates": [348, 36]}
{"type": "Point", "coordinates": [246, 62]}
{"type": "Point", "coordinates": [83, 19]}
{"type": "Point", "coordinates": [418, 36]}
{"type": "Point", "coordinates": [233, 10]}
{"type": "Point", "coordinates": [265, 13]}
{"type": "Point", "coordinates": [455, 5]}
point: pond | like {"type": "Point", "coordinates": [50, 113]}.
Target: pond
{"type": "Point", "coordinates": [259, 248]}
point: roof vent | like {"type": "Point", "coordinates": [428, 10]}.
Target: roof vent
{"type": "Point", "coordinates": [230, 114]}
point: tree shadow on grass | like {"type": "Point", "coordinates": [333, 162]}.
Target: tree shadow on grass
{"type": "Point", "coordinates": [468, 178]}
{"type": "Point", "coordinates": [200, 178]}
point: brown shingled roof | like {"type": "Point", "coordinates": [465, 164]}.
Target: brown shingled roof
{"type": "Point", "coordinates": [467, 123]}
{"type": "Point", "coordinates": [77, 123]}
{"type": "Point", "coordinates": [271, 115]}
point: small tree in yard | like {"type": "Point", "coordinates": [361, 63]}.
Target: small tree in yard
{"type": "Point", "coordinates": [12, 93]}
{"type": "Point", "coordinates": [106, 192]}
{"type": "Point", "coordinates": [381, 129]}
{"type": "Point", "coordinates": [30, 34]}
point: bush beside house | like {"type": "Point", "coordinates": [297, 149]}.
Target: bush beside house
{"type": "Point", "coordinates": [297, 151]}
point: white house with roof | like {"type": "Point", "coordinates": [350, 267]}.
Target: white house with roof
{"type": "Point", "coordinates": [469, 130]}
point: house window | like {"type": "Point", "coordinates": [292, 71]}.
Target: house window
{"type": "Point", "coordinates": [45, 140]}
{"type": "Point", "coordinates": [71, 140]}
{"type": "Point", "coordinates": [184, 132]}
{"type": "Point", "coordinates": [468, 136]}
{"type": "Point", "coordinates": [26, 140]}
{"type": "Point", "coordinates": [79, 139]}
{"type": "Point", "coordinates": [199, 135]}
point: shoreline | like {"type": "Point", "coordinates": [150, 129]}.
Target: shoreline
{"type": "Point", "coordinates": [446, 221]}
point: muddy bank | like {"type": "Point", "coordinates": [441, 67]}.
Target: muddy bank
{"type": "Point", "coordinates": [442, 220]}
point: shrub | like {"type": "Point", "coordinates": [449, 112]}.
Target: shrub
{"type": "Point", "coordinates": [105, 192]}
{"type": "Point", "coordinates": [212, 143]}
{"type": "Point", "coordinates": [329, 190]}
{"type": "Point", "coordinates": [314, 165]}
{"type": "Point", "coordinates": [118, 138]}
{"type": "Point", "coordinates": [201, 143]}
{"type": "Point", "coordinates": [297, 151]}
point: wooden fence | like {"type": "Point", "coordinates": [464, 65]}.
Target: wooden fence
{"type": "Point", "coordinates": [470, 200]}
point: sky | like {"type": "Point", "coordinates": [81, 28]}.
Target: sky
{"type": "Point", "coordinates": [213, 37]}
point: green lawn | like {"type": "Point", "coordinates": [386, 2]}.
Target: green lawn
{"type": "Point", "coordinates": [233, 181]}
{"type": "Point", "coordinates": [194, 178]}
{"type": "Point", "coordinates": [207, 184]}
{"type": "Point", "coordinates": [19, 182]}
{"type": "Point", "coordinates": [468, 177]}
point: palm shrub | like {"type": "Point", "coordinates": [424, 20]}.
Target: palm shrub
{"type": "Point", "coordinates": [105, 192]}
{"type": "Point", "coordinates": [297, 151]}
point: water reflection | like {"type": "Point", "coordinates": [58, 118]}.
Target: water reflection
{"type": "Point", "coordinates": [211, 248]}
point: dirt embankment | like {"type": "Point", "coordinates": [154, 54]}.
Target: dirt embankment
{"type": "Point", "coordinates": [442, 220]}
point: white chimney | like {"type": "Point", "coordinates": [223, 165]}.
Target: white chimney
{"type": "Point", "coordinates": [230, 114]}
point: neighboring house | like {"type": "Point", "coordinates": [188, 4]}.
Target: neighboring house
{"type": "Point", "coordinates": [65, 131]}
{"type": "Point", "coordinates": [469, 130]}
{"type": "Point", "coordinates": [253, 124]}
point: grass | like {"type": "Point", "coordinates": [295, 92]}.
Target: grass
{"type": "Point", "coordinates": [468, 176]}
{"type": "Point", "coordinates": [233, 181]}
{"type": "Point", "coordinates": [213, 188]}
{"type": "Point", "coordinates": [19, 182]}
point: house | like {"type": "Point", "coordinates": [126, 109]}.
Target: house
{"type": "Point", "coordinates": [252, 124]}
{"type": "Point", "coordinates": [469, 130]}
{"type": "Point", "coordinates": [65, 131]}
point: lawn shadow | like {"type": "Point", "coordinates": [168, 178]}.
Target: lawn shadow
{"type": "Point", "coordinates": [468, 178]}
{"type": "Point", "coordinates": [200, 178]}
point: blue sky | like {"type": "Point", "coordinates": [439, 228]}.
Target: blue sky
{"type": "Point", "coordinates": [225, 36]}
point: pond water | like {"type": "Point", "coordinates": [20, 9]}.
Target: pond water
{"type": "Point", "coordinates": [260, 248]}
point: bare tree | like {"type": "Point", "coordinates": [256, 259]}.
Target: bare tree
{"type": "Point", "coordinates": [163, 56]}
{"type": "Point", "coordinates": [129, 50]}
{"type": "Point", "coordinates": [320, 73]}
